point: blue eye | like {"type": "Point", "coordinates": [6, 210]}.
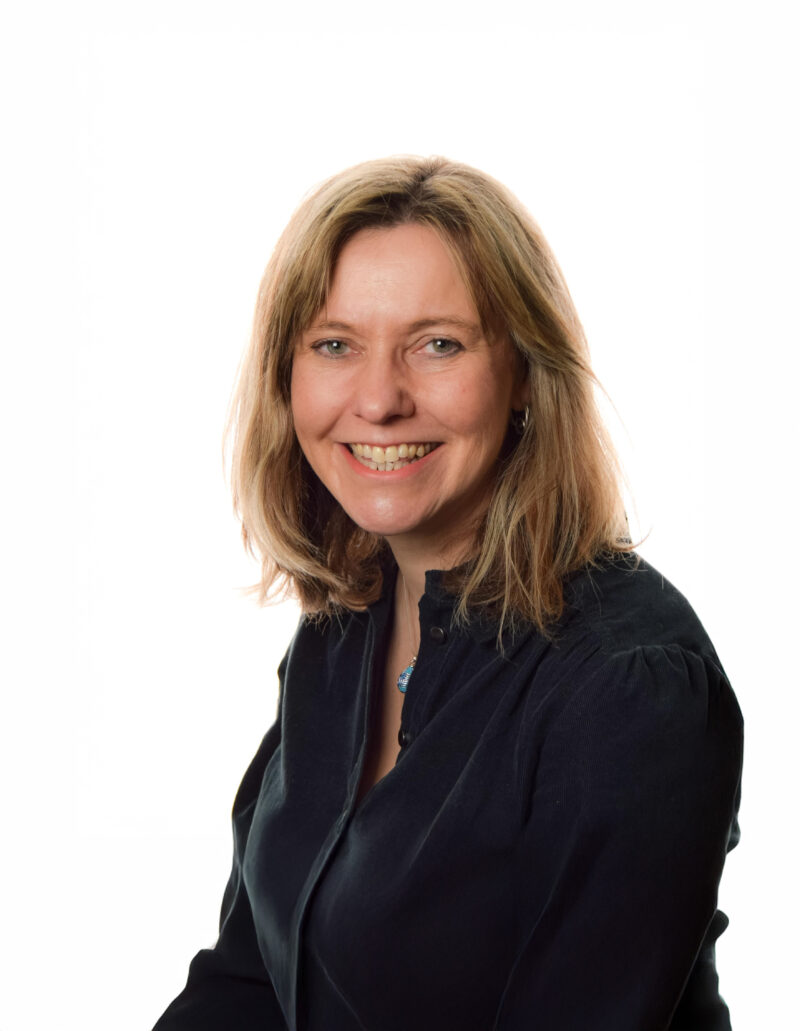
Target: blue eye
{"type": "Point", "coordinates": [331, 348]}
{"type": "Point", "coordinates": [443, 345]}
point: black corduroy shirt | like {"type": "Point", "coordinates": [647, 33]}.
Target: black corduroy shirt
{"type": "Point", "coordinates": [545, 853]}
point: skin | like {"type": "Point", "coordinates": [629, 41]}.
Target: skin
{"type": "Point", "coordinates": [398, 356]}
{"type": "Point", "coordinates": [367, 372]}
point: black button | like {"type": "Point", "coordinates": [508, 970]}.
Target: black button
{"type": "Point", "coordinates": [437, 635]}
{"type": "Point", "coordinates": [403, 738]}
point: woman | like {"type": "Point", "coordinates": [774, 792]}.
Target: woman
{"type": "Point", "coordinates": [505, 769]}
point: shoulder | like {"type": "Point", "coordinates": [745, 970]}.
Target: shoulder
{"type": "Point", "coordinates": [324, 653]}
{"type": "Point", "coordinates": [319, 637]}
{"type": "Point", "coordinates": [630, 673]}
{"type": "Point", "coordinates": [625, 603]}
{"type": "Point", "coordinates": [647, 691]}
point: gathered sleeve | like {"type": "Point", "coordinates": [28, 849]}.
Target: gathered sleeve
{"type": "Point", "coordinates": [228, 986]}
{"type": "Point", "coordinates": [633, 808]}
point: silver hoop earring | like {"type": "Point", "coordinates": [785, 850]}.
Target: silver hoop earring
{"type": "Point", "coordinates": [520, 420]}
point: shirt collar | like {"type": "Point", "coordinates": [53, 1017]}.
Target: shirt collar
{"type": "Point", "coordinates": [438, 603]}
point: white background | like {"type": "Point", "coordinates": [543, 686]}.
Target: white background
{"type": "Point", "coordinates": [153, 151]}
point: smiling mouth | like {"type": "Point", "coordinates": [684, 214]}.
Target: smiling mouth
{"type": "Point", "coordinates": [395, 456]}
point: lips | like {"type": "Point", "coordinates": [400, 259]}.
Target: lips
{"type": "Point", "coordinates": [393, 456]}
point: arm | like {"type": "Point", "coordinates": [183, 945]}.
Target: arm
{"type": "Point", "coordinates": [633, 805]}
{"type": "Point", "coordinates": [228, 986]}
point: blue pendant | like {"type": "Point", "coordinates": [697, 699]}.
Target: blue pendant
{"type": "Point", "coordinates": [405, 676]}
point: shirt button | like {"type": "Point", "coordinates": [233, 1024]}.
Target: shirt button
{"type": "Point", "coordinates": [403, 738]}
{"type": "Point", "coordinates": [437, 634]}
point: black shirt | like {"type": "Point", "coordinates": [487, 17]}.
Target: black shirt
{"type": "Point", "coordinates": [545, 854]}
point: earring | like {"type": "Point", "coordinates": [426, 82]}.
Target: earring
{"type": "Point", "coordinates": [519, 420]}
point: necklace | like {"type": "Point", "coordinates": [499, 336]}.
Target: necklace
{"type": "Point", "coordinates": [405, 676]}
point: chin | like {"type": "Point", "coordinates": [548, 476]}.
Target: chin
{"type": "Point", "coordinates": [384, 524]}
{"type": "Point", "coordinates": [385, 527]}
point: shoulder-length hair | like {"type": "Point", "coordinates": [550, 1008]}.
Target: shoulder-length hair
{"type": "Point", "coordinates": [556, 505]}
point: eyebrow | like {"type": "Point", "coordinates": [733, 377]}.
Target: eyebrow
{"type": "Point", "coordinates": [413, 327]}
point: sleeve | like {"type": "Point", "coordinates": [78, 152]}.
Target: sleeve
{"type": "Point", "coordinates": [228, 986]}
{"type": "Point", "coordinates": [632, 813]}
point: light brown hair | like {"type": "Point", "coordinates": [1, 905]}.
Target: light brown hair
{"type": "Point", "coordinates": [556, 504]}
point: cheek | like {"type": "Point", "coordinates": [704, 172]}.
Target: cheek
{"type": "Point", "coordinates": [308, 402]}
{"type": "Point", "coordinates": [457, 401]}
{"type": "Point", "coordinates": [478, 407]}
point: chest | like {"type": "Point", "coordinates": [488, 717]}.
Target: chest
{"type": "Point", "coordinates": [353, 834]}
{"type": "Point", "coordinates": [384, 719]}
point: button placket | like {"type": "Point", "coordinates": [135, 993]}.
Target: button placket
{"type": "Point", "coordinates": [428, 668]}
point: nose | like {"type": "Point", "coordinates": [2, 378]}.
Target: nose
{"type": "Point", "coordinates": [382, 390]}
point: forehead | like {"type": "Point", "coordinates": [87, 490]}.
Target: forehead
{"type": "Point", "coordinates": [404, 271]}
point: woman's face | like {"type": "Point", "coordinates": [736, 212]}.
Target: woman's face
{"type": "Point", "coordinates": [400, 403]}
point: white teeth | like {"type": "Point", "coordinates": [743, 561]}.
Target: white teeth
{"type": "Point", "coordinates": [391, 457]}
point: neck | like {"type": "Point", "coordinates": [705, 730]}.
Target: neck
{"type": "Point", "coordinates": [413, 562]}
{"type": "Point", "coordinates": [410, 579]}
